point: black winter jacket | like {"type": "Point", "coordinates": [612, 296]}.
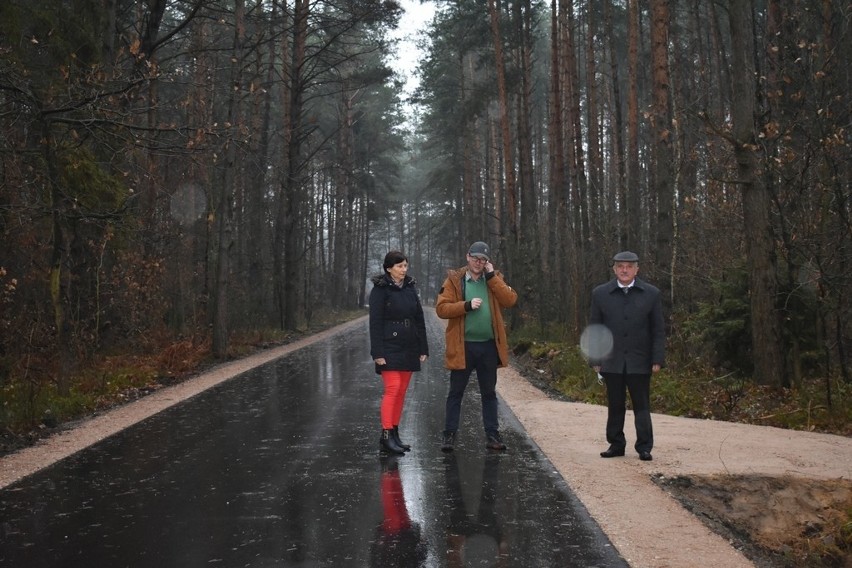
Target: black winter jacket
{"type": "Point", "coordinates": [636, 322]}
{"type": "Point", "coordinates": [397, 327]}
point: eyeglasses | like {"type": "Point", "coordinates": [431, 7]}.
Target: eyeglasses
{"type": "Point", "coordinates": [477, 259]}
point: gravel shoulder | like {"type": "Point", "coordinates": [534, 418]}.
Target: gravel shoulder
{"type": "Point", "coordinates": [648, 526]}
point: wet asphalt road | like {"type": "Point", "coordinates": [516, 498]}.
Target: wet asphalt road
{"type": "Point", "coordinates": [280, 466]}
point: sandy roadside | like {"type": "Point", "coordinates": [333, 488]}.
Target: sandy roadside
{"type": "Point", "coordinates": [646, 525]}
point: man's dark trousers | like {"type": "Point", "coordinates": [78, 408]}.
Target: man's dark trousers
{"type": "Point", "coordinates": [482, 357]}
{"type": "Point", "coordinates": [639, 387]}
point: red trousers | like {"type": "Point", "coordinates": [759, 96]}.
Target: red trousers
{"type": "Point", "coordinates": [396, 383]}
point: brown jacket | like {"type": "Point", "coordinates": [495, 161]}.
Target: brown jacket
{"type": "Point", "coordinates": [452, 306]}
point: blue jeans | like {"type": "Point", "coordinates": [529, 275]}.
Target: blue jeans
{"type": "Point", "coordinates": [482, 357]}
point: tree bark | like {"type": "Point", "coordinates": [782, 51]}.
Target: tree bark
{"type": "Point", "coordinates": [576, 162]}
{"type": "Point", "coordinates": [290, 205]}
{"type": "Point", "coordinates": [505, 124]}
{"type": "Point", "coordinates": [528, 244]}
{"type": "Point", "coordinates": [577, 209]}
{"type": "Point", "coordinates": [225, 212]}
{"type": "Point", "coordinates": [617, 178]}
{"type": "Point", "coordinates": [663, 154]}
{"type": "Point", "coordinates": [558, 192]}
{"type": "Point", "coordinates": [59, 276]}
{"type": "Point", "coordinates": [632, 214]}
{"type": "Point", "coordinates": [758, 233]}
{"type": "Point", "coordinates": [594, 139]}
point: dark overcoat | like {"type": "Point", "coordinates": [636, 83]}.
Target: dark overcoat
{"type": "Point", "coordinates": [636, 322]}
{"type": "Point", "coordinates": [397, 327]}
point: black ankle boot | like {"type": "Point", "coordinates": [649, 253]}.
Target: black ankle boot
{"type": "Point", "coordinates": [388, 443]}
{"type": "Point", "coordinates": [399, 443]}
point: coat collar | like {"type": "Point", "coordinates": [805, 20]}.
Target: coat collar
{"type": "Point", "coordinates": [614, 287]}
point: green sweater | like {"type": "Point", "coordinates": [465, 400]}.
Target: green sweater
{"type": "Point", "coordinates": [477, 323]}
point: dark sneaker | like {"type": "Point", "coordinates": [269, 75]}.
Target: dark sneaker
{"type": "Point", "coordinates": [449, 442]}
{"type": "Point", "coordinates": [495, 442]}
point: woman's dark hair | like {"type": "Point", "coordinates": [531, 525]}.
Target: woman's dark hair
{"type": "Point", "coordinates": [392, 258]}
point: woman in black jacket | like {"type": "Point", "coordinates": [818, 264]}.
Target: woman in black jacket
{"type": "Point", "coordinates": [397, 341]}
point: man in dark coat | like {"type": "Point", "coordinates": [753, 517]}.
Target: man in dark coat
{"type": "Point", "coordinates": [632, 312]}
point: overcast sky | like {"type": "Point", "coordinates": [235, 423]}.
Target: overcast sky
{"type": "Point", "coordinates": [414, 20]}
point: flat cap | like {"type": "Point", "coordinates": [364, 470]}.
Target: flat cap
{"type": "Point", "coordinates": [626, 256]}
{"type": "Point", "coordinates": [480, 249]}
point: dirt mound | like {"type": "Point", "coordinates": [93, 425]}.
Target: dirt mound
{"type": "Point", "coordinates": [778, 521]}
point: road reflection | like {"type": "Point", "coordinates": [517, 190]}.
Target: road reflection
{"type": "Point", "coordinates": [398, 539]}
{"type": "Point", "coordinates": [474, 534]}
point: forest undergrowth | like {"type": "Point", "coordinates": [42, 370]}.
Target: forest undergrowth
{"type": "Point", "coordinates": [685, 388]}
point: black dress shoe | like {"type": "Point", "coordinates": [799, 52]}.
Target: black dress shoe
{"type": "Point", "coordinates": [612, 453]}
{"type": "Point", "coordinates": [645, 456]}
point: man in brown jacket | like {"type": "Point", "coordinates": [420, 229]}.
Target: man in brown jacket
{"type": "Point", "coordinates": [472, 298]}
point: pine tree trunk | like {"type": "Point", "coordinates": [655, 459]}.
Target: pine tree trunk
{"type": "Point", "coordinates": [528, 242]}
{"type": "Point", "coordinates": [760, 252]}
{"type": "Point", "coordinates": [617, 178]}
{"type": "Point", "coordinates": [594, 140]}
{"type": "Point", "coordinates": [558, 192]}
{"type": "Point", "coordinates": [663, 154]}
{"type": "Point", "coordinates": [505, 124]}
{"type": "Point", "coordinates": [288, 237]}
{"type": "Point", "coordinates": [225, 212]}
{"type": "Point", "coordinates": [632, 216]}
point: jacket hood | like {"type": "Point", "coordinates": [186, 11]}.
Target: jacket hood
{"type": "Point", "coordinates": [385, 280]}
{"type": "Point", "coordinates": [457, 272]}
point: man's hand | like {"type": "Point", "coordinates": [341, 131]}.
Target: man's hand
{"type": "Point", "coordinates": [475, 303]}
